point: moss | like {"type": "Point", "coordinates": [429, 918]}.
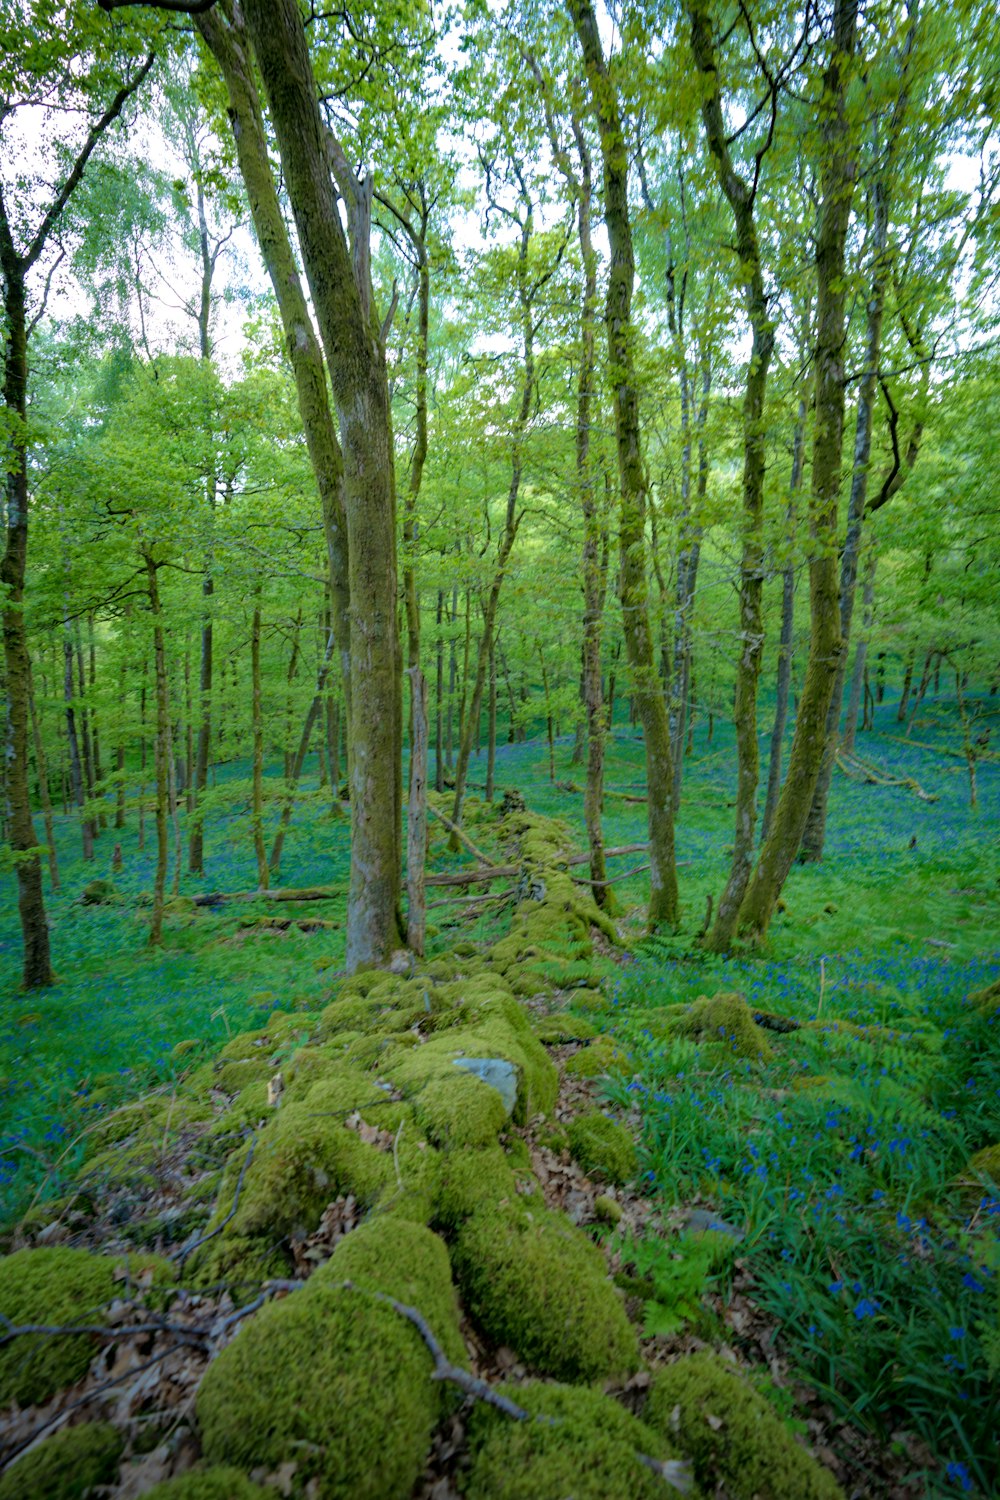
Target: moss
{"type": "Point", "coordinates": [460, 1111]}
{"type": "Point", "coordinates": [602, 1056]}
{"type": "Point", "coordinates": [562, 1027]}
{"type": "Point", "coordinates": [218, 1483]}
{"type": "Point", "coordinates": [55, 1286]}
{"type": "Point", "coordinates": [98, 893]}
{"type": "Point", "coordinates": [603, 1147]}
{"type": "Point", "coordinates": [241, 1262]}
{"type": "Point", "coordinates": [65, 1466]}
{"type": "Point", "coordinates": [350, 1013]}
{"type": "Point", "coordinates": [534, 1282]}
{"type": "Point", "coordinates": [986, 1000]}
{"type": "Point", "coordinates": [405, 1261]}
{"type": "Point", "coordinates": [333, 1381]}
{"type": "Point", "coordinates": [725, 1018]}
{"type": "Point", "coordinates": [608, 1210]}
{"type": "Point", "coordinates": [591, 1001]}
{"type": "Point", "coordinates": [980, 1172]}
{"type": "Point", "coordinates": [745, 1451]}
{"type": "Point", "coordinates": [185, 1048]}
{"type": "Point", "coordinates": [247, 1108]}
{"type": "Point", "coordinates": [302, 1160]}
{"type": "Point", "coordinates": [502, 1030]}
{"type": "Point", "coordinates": [472, 1181]}
{"type": "Point", "coordinates": [233, 1077]}
{"type": "Point", "coordinates": [588, 1451]}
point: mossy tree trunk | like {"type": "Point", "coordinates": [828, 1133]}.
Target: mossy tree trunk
{"type": "Point", "coordinates": [663, 901]}
{"type": "Point", "coordinates": [837, 174]}
{"type": "Point", "coordinates": [257, 798]}
{"type": "Point", "coordinates": [527, 291]}
{"type": "Point", "coordinates": [786, 640]}
{"type": "Point", "coordinates": [162, 750]}
{"type": "Point", "coordinates": [41, 766]}
{"type": "Point", "coordinates": [356, 359]}
{"type": "Point", "coordinates": [881, 193]}
{"type": "Point", "coordinates": [741, 197]}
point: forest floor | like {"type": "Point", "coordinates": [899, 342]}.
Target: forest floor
{"type": "Point", "coordinates": [863, 1281]}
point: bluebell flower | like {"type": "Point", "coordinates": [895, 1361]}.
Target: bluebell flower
{"type": "Point", "coordinates": [866, 1308]}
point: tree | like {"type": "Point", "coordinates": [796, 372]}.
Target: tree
{"type": "Point", "coordinates": [92, 93]}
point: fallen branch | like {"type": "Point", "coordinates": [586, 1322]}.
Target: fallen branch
{"type": "Point", "coordinates": [635, 870]}
{"type": "Point", "coordinates": [858, 769]}
{"type": "Point", "coordinates": [309, 893]}
{"type": "Point", "coordinates": [473, 900]}
{"type": "Point", "coordinates": [463, 838]}
{"type": "Point", "coordinates": [186, 1250]}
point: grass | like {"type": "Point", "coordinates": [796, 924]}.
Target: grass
{"type": "Point", "coordinates": [836, 1157]}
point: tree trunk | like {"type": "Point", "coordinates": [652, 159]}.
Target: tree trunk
{"type": "Point", "coordinates": [257, 799]}
{"type": "Point", "coordinates": [663, 901]}
{"type": "Point", "coordinates": [75, 767]}
{"type": "Point", "coordinates": [439, 693]}
{"type": "Point", "coordinates": [416, 842]}
{"type": "Point", "coordinates": [162, 753]}
{"type": "Point", "coordinates": [861, 653]}
{"type": "Point", "coordinates": [356, 359]}
{"type": "Point", "coordinates": [786, 642]}
{"type": "Point", "coordinates": [741, 198]}
{"type": "Point", "coordinates": [491, 741]}
{"type": "Point", "coordinates": [838, 170]}
{"type": "Point", "coordinates": [43, 785]}
{"type": "Point", "coordinates": [298, 760]}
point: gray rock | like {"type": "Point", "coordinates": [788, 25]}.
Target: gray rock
{"type": "Point", "coordinates": [699, 1219]}
{"type": "Point", "coordinates": [497, 1072]}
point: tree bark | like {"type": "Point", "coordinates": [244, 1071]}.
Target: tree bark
{"type": "Point", "coordinates": [838, 171]}
{"type": "Point", "coordinates": [356, 359]}
{"type": "Point", "coordinates": [861, 652]}
{"type": "Point", "coordinates": [786, 642]}
{"type": "Point", "coordinates": [161, 753]}
{"type": "Point", "coordinates": [43, 785]}
{"type": "Point", "coordinates": [741, 197]}
{"type": "Point", "coordinates": [663, 901]}
{"type": "Point", "coordinates": [416, 843]}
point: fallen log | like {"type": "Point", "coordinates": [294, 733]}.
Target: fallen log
{"type": "Point", "coordinates": [308, 893]}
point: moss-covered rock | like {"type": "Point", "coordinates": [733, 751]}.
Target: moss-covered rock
{"type": "Point", "coordinates": [65, 1466]}
{"type": "Point", "coordinates": [986, 1000]}
{"type": "Point", "coordinates": [608, 1210]}
{"type": "Point", "coordinates": [475, 1180]}
{"type": "Point", "coordinates": [534, 1282]}
{"type": "Point", "coordinates": [589, 1450]}
{"type": "Point", "coordinates": [302, 1160]}
{"type": "Point", "coordinates": [564, 1027]}
{"type": "Point", "coordinates": [603, 1147]}
{"type": "Point", "coordinates": [600, 1057]}
{"type": "Point", "coordinates": [501, 1030]}
{"type": "Point", "coordinates": [725, 1018]}
{"type": "Point", "coordinates": [49, 1286]}
{"type": "Point", "coordinates": [733, 1437]}
{"type": "Point", "coordinates": [980, 1174]}
{"type": "Point", "coordinates": [53, 1286]}
{"type": "Point", "coordinates": [98, 893]}
{"type": "Point", "coordinates": [334, 1380]}
{"type": "Point", "coordinates": [460, 1110]}
{"type": "Point", "coordinates": [217, 1483]}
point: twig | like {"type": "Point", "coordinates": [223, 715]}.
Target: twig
{"type": "Point", "coordinates": [186, 1250]}
{"type": "Point", "coordinates": [635, 870]}
{"type": "Point", "coordinates": [395, 1152]}
{"type": "Point", "coordinates": [458, 833]}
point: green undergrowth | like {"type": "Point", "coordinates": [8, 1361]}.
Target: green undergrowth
{"type": "Point", "coordinates": [856, 1154]}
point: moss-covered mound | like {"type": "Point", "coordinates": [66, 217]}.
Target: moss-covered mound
{"type": "Point", "coordinates": [732, 1436]}
{"type": "Point", "coordinates": [218, 1483]}
{"type": "Point", "coordinates": [603, 1147]}
{"type": "Point", "coordinates": [335, 1381]}
{"type": "Point", "coordinates": [65, 1466]}
{"type": "Point", "coordinates": [726, 1019]}
{"type": "Point", "coordinates": [534, 1282]}
{"type": "Point", "coordinates": [589, 1450]}
{"type": "Point", "coordinates": [600, 1057]}
{"type": "Point", "coordinates": [50, 1287]}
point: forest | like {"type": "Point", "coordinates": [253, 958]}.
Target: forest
{"type": "Point", "coordinates": [500, 983]}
